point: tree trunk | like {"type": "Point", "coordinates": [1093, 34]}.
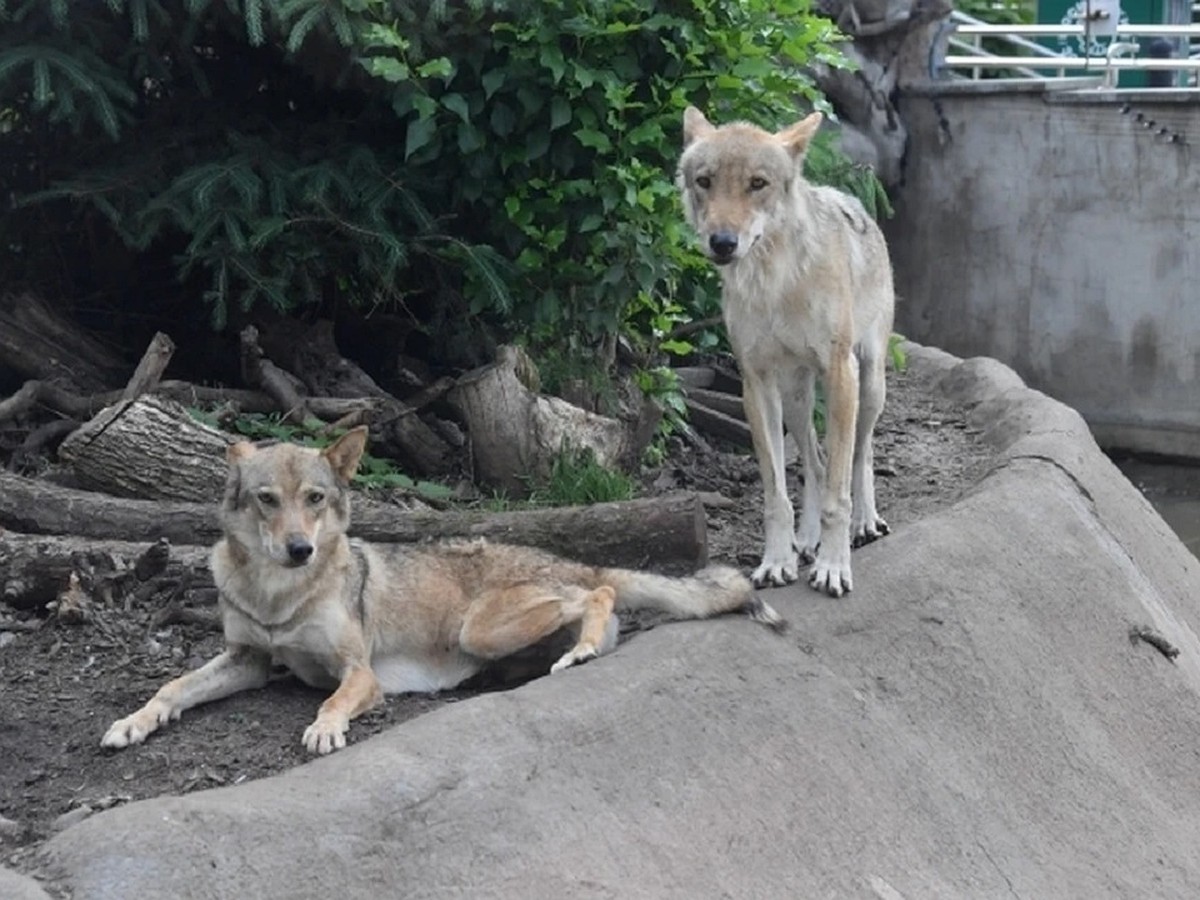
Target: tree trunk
{"type": "Point", "coordinates": [516, 433]}
{"type": "Point", "coordinates": [660, 532]}
{"type": "Point", "coordinates": [37, 342]}
{"type": "Point", "coordinates": [889, 45]}
{"type": "Point", "coordinates": [148, 448]}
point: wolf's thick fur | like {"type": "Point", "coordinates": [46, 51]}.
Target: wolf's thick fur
{"type": "Point", "coordinates": [371, 619]}
{"type": "Point", "coordinates": [807, 293]}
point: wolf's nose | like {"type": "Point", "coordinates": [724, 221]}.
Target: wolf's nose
{"type": "Point", "coordinates": [298, 549]}
{"type": "Point", "coordinates": [723, 243]}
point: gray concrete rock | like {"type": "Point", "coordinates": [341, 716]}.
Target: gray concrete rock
{"type": "Point", "coordinates": [14, 886]}
{"type": "Point", "coordinates": [973, 721]}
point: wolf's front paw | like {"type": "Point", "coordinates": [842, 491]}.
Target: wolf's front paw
{"type": "Point", "coordinates": [831, 573]}
{"type": "Point", "coordinates": [135, 728]}
{"type": "Point", "coordinates": [326, 734]}
{"type": "Point", "coordinates": [866, 532]}
{"type": "Point", "coordinates": [573, 657]}
{"type": "Point", "coordinates": [776, 572]}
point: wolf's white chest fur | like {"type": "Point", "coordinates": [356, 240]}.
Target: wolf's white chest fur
{"type": "Point", "coordinates": [400, 674]}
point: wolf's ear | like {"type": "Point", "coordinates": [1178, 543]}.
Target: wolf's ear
{"type": "Point", "coordinates": [234, 454]}
{"type": "Point", "coordinates": [344, 453]}
{"type": "Point", "coordinates": [796, 138]}
{"type": "Point", "coordinates": [695, 126]}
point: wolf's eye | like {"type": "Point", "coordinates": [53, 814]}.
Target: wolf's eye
{"type": "Point", "coordinates": [266, 498]}
{"type": "Point", "coordinates": [757, 183]}
{"type": "Point", "coordinates": [703, 181]}
{"type": "Point", "coordinates": [315, 498]}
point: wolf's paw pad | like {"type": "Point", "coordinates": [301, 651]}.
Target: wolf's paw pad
{"type": "Point", "coordinates": [135, 728]}
{"type": "Point", "coordinates": [574, 657]}
{"type": "Point", "coordinates": [832, 580]}
{"type": "Point", "coordinates": [775, 574]}
{"type": "Point", "coordinates": [325, 735]}
{"type": "Point", "coordinates": [867, 532]}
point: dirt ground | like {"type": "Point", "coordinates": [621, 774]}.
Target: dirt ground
{"type": "Point", "coordinates": [63, 684]}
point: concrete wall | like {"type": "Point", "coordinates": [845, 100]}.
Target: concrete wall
{"type": "Point", "coordinates": [1051, 229]}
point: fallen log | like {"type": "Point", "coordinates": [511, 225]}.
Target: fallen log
{"type": "Point", "coordinates": [667, 532]}
{"type": "Point", "coordinates": [149, 448]}
{"type": "Point", "coordinates": [35, 569]}
{"type": "Point", "coordinates": [729, 404]}
{"type": "Point", "coordinates": [718, 424]}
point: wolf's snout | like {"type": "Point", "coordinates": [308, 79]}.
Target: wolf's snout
{"type": "Point", "coordinates": [299, 549]}
{"type": "Point", "coordinates": [723, 245]}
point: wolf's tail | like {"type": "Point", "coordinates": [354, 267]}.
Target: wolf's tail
{"type": "Point", "coordinates": [713, 590]}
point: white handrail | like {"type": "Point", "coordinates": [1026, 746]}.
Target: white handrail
{"type": "Point", "coordinates": [966, 34]}
{"type": "Point", "coordinates": [1069, 62]}
{"type": "Point", "coordinates": [1076, 30]}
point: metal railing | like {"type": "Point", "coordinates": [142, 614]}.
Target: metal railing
{"type": "Point", "coordinates": [1030, 59]}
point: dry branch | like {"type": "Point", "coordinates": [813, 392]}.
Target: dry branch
{"type": "Point", "coordinates": [150, 369]}
{"type": "Point", "coordinates": [79, 406]}
{"type": "Point", "coordinates": [397, 431]}
{"type": "Point", "coordinates": [260, 372]}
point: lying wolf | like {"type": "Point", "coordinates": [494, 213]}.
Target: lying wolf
{"type": "Point", "coordinates": [368, 619]}
{"type": "Point", "coordinates": [806, 293]}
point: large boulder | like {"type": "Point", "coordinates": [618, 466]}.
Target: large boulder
{"type": "Point", "coordinates": [973, 721]}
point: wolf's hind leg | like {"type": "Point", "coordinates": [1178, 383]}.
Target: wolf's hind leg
{"type": "Point", "coordinates": [866, 524]}
{"type": "Point", "coordinates": [500, 622]}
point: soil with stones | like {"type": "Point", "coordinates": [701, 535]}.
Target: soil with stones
{"type": "Point", "coordinates": [63, 684]}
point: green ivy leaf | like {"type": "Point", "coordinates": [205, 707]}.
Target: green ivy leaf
{"type": "Point", "coordinates": [596, 140]}
{"type": "Point", "coordinates": [420, 133]}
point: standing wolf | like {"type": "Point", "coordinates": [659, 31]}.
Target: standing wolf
{"type": "Point", "coordinates": [369, 619]}
{"type": "Point", "coordinates": [807, 292]}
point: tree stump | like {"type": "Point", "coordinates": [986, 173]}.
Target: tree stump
{"type": "Point", "coordinates": [516, 432]}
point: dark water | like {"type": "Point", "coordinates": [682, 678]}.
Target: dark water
{"type": "Point", "coordinates": [1174, 490]}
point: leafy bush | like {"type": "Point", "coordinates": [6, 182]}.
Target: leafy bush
{"type": "Point", "coordinates": [483, 164]}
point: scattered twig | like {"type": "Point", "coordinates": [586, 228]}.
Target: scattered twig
{"type": "Point", "coordinates": [431, 393]}
{"type": "Point", "coordinates": [174, 612]}
{"type": "Point", "coordinates": [684, 329]}
{"type": "Point", "coordinates": [1154, 639]}
{"type": "Point", "coordinates": [21, 625]}
{"type": "Point", "coordinates": [177, 614]}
